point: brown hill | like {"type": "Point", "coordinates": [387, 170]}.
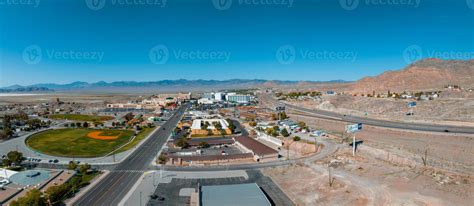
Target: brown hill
{"type": "Point", "coordinates": [428, 74]}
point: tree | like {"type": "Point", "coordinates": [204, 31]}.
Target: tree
{"type": "Point", "coordinates": [85, 124]}
{"type": "Point", "coordinates": [282, 115]}
{"type": "Point", "coordinates": [253, 124]}
{"type": "Point", "coordinates": [78, 124]}
{"type": "Point", "coordinates": [32, 197]}
{"type": "Point", "coordinates": [276, 128]}
{"type": "Point", "coordinates": [72, 165]}
{"type": "Point", "coordinates": [302, 124]}
{"type": "Point", "coordinates": [57, 192]}
{"type": "Point", "coordinates": [162, 159]}
{"type": "Point", "coordinates": [217, 125]}
{"type": "Point", "coordinates": [182, 142]}
{"type": "Point", "coordinates": [284, 132]}
{"type": "Point", "coordinates": [223, 132]}
{"type": "Point", "coordinates": [231, 125]}
{"type": "Point", "coordinates": [13, 157]}
{"type": "Point", "coordinates": [204, 145]}
{"type": "Point", "coordinates": [84, 168]}
{"type": "Point", "coordinates": [6, 133]}
{"type": "Point", "coordinates": [296, 138]}
{"type": "Point", "coordinates": [209, 132]}
{"type": "Point", "coordinates": [205, 125]}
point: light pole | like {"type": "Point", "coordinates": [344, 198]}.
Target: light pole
{"type": "Point", "coordinates": [140, 198]}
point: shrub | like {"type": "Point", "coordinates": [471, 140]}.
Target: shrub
{"type": "Point", "coordinates": [296, 138]}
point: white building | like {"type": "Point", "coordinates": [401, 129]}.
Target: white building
{"type": "Point", "coordinates": [197, 123]}
{"type": "Point", "coordinates": [238, 98]}
{"type": "Point", "coordinates": [219, 96]}
{"type": "Point", "coordinates": [206, 101]}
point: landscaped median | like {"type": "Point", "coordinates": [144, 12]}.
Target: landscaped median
{"type": "Point", "coordinates": [83, 142]}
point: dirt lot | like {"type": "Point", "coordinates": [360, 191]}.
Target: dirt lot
{"type": "Point", "coordinates": [387, 170]}
{"type": "Point", "coordinates": [366, 180]}
{"type": "Point", "coordinates": [65, 97]}
{"type": "Point", "coordinates": [447, 151]}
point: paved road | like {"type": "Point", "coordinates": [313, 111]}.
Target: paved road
{"type": "Point", "coordinates": [375, 122]}
{"type": "Point", "coordinates": [328, 149]}
{"type": "Point", "coordinates": [111, 189]}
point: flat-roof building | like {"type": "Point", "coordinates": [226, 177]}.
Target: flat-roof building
{"type": "Point", "coordinates": [260, 151]}
{"type": "Point", "coordinates": [248, 194]}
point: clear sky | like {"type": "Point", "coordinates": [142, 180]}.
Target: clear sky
{"type": "Point", "coordinates": [61, 41]}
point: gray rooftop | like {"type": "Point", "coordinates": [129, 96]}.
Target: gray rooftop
{"type": "Point", "coordinates": [239, 194]}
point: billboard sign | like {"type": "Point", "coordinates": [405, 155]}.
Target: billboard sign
{"type": "Point", "coordinates": [353, 128]}
{"type": "Point", "coordinates": [411, 104]}
{"type": "Point", "coordinates": [280, 108]}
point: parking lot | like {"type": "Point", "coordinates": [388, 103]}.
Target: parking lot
{"type": "Point", "coordinates": [168, 194]}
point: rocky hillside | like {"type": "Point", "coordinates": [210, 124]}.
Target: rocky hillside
{"type": "Point", "coordinates": [428, 74]}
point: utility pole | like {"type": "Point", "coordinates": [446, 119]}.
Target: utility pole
{"type": "Point", "coordinates": [315, 145]}
{"type": "Point", "coordinates": [353, 144]}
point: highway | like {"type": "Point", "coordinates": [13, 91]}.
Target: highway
{"type": "Point", "coordinates": [373, 122]}
{"type": "Point", "coordinates": [111, 189]}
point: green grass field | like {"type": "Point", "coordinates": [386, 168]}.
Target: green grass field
{"type": "Point", "coordinates": [142, 135]}
{"type": "Point", "coordinates": [76, 143]}
{"type": "Point", "coordinates": [81, 117]}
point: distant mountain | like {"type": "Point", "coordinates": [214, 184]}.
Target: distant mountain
{"type": "Point", "coordinates": [20, 89]}
{"type": "Point", "coordinates": [168, 85]}
{"type": "Point", "coordinates": [427, 74]}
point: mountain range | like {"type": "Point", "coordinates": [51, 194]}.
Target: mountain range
{"type": "Point", "coordinates": [163, 85]}
{"type": "Point", "coordinates": [427, 74]}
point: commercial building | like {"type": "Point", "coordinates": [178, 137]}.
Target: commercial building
{"type": "Point", "coordinates": [238, 98]}
{"type": "Point", "coordinates": [206, 101]}
{"type": "Point", "coordinates": [248, 194]}
{"type": "Point", "coordinates": [219, 96]}
{"type": "Point", "coordinates": [260, 151]}
{"type": "Point", "coordinates": [196, 127]}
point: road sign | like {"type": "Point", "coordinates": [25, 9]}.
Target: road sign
{"type": "Point", "coordinates": [411, 104]}
{"type": "Point", "coordinates": [353, 128]}
{"type": "Point", "coordinates": [280, 108]}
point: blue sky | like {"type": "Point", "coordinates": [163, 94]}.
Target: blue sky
{"type": "Point", "coordinates": [125, 40]}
